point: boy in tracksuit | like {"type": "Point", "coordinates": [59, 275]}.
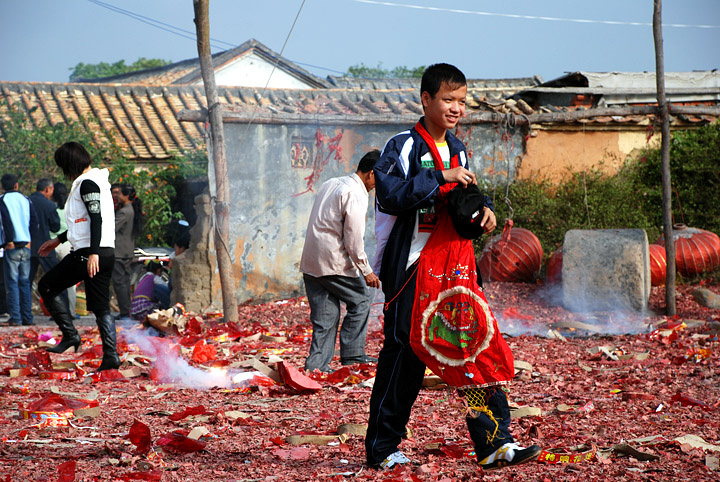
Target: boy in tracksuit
{"type": "Point", "coordinates": [407, 190]}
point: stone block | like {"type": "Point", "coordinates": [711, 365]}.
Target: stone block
{"type": "Point", "coordinates": [606, 270]}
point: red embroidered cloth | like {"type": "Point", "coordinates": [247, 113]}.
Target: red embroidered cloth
{"type": "Point", "coordinates": [453, 329]}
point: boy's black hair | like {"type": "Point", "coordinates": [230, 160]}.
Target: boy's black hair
{"type": "Point", "coordinates": [437, 74]}
{"type": "Point", "coordinates": [368, 161]}
{"type": "Point", "coordinates": [8, 181]}
{"type": "Point", "coordinates": [43, 183]}
{"type": "Point", "coordinates": [73, 159]}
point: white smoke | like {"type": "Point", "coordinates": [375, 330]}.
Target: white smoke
{"type": "Point", "coordinates": [176, 368]}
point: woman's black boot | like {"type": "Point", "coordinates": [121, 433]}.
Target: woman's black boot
{"type": "Point", "coordinates": [71, 337]}
{"type": "Point", "coordinates": [106, 326]}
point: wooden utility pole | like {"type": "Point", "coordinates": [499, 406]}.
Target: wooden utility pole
{"type": "Point", "coordinates": [664, 113]}
{"type": "Point", "coordinates": [217, 137]}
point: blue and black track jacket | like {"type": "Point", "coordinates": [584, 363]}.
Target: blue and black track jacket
{"type": "Point", "coordinates": [402, 187]}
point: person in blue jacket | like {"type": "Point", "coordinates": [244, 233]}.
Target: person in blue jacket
{"type": "Point", "coordinates": [408, 187]}
{"type": "Point", "coordinates": [18, 221]}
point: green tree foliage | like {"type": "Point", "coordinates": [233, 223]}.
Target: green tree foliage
{"type": "Point", "coordinates": [401, 72]}
{"type": "Point", "coordinates": [27, 151]}
{"type": "Point", "coordinates": [104, 69]}
{"type": "Point", "coordinates": [695, 177]}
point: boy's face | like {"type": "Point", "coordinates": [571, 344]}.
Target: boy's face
{"type": "Point", "coordinates": [445, 109]}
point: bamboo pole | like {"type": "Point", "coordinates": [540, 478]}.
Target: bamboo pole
{"type": "Point", "coordinates": [664, 113]}
{"type": "Point", "coordinates": [217, 136]}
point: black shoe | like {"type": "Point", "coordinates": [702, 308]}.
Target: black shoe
{"type": "Point", "coordinates": [109, 363]}
{"type": "Point", "coordinates": [358, 359]}
{"type": "Point", "coordinates": [65, 344]}
{"type": "Point", "coordinates": [509, 454]}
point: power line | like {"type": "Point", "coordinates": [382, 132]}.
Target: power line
{"type": "Point", "coordinates": [187, 34]}
{"type": "Point", "coordinates": [529, 17]}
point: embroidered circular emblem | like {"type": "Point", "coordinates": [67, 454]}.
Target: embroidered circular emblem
{"type": "Point", "coordinates": [457, 326]}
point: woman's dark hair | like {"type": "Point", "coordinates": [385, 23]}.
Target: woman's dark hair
{"type": "Point", "coordinates": [73, 159]}
{"type": "Point", "coordinates": [60, 194]}
{"type": "Point", "coordinates": [139, 217]}
{"type": "Point", "coordinates": [153, 266]}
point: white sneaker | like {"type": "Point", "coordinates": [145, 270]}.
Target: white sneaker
{"type": "Point", "coordinates": [394, 459]}
{"type": "Point", "coordinates": [509, 454]}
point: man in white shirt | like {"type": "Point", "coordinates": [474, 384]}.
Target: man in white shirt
{"type": "Point", "coordinates": [335, 267]}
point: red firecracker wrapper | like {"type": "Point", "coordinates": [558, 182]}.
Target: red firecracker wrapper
{"type": "Point", "coordinates": [66, 471]}
{"type": "Point", "coordinates": [293, 378]}
{"type": "Point", "coordinates": [199, 410]}
{"type": "Point", "coordinates": [202, 352]}
{"type": "Point", "coordinates": [154, 457]}
{"type": "Point", "coordinates": [40, 360]}
{"type": "Point", "coordinates": [54, 410]}
{"type": "Point", "coordinates": [139, 435]}
{"type": "Point", "coordinates": [560, 456]}
{"type": "Point", "coordinates": [58, 374]}
{"type": "Point", "coordinates": [179, 443]}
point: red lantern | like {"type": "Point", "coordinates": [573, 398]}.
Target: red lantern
{"type": "Point", "coordinates": [553, 268]}
{"type": "Point", "coordinates": [515, 255]}
{"type": "Point", "coordinates": [658, 265]}
{"type": "Point", "coordinates": [696, 250]}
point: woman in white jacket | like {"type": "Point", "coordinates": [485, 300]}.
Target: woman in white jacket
{"type": "Point", "coordinates": [91, 232]}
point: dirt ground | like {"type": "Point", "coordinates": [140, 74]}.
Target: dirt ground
{"type": "Point", "coordinates": [639, 406]}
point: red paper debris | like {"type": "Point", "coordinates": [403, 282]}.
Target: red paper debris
{"type": "Point", "coordinates": [139, 436]}
{"type": "Point", "coordinates": [66, 471]}
{"type": "Point", "coordinates": [199, 410]}
{"type": "Point", "coordinates": [513, 313]}
{"type": "Point", "coordinates": [203, 352]}
{"type": "Point", "coordinates": [686, 401]}
{"type": "Point", "coordinates": [180, 443]}
{"type": "Point", "coordinates": [40, 360]}
{"type": "Point", "coordinates": [53, 402]}
{"type": "Point", "coordinates": [108, 376]}
{"type": "Point", "coordinates": [152, 475]}
{"type": "Point", "coordinates": [293, 378]}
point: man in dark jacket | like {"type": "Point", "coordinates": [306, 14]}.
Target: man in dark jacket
{"type": "Point", "coordinates": [48, 220]}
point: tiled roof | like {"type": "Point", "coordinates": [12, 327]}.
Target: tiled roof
{"type": "Point", "coordinates": [145, 118]}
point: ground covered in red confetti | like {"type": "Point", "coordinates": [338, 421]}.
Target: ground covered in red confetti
{"type": "Point", "coordinates": [640, 406]}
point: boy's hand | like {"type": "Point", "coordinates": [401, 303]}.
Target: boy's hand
{"type": "Point", "coordinates": [459, 175]}
{"type": "Point", "coordinates": [488, 220]}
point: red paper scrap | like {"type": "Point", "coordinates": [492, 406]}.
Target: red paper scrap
{"type": "Point", "coordinates": [293, 378]}
{"type": "Point", "coordinates": [199, 410]}
{"type": "Point", "coordinates": [39, 359]}
{"type": "Point", "coordinates": [513, 313]}
{"type": "Point", "coordinates": [152, 475]}
{"type": "Point", "coordinates": [180, 443]}
{"type": "Point", "coordinates": [203, 352]}
{"type": "Point", "coordinates": [686, 401]}
{"type": "Point", "coordinates": [139, 436]}
{"type": "Point", "coordinates": [66, 471]}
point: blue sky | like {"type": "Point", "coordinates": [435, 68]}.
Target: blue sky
{"type": "Point", "coordinates": [43, 39]}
